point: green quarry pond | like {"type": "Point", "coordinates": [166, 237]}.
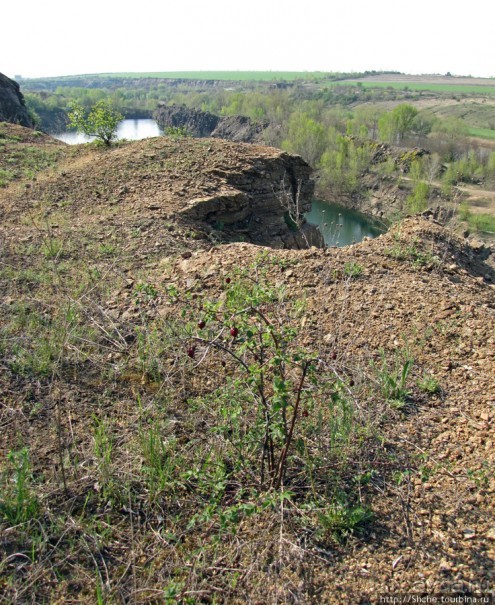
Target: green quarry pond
{"type": "Point", "coordinates": [341, 226]}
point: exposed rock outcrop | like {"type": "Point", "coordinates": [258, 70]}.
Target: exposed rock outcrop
{"type": "Point", "coordinates": [52, 120]}
{"type": "Point", "coordinates": [265, 201]}
{"type": "Point", "coordinates": [215, 189]}
{"type": "Point", "coordinates": [197, 123]}
{"type": "Point", "coordinates": [12, 104]}
{"type": "Point", "coordinates": [241, 129]}
{"type": "Point", "coordinates": [205, 124]}
{"type": "Point", "coordinates": [382, 195]}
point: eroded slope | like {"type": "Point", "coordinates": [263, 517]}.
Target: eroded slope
{"type": "Point", "coordinates": [139, 489]}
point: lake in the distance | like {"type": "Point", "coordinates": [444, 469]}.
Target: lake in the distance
{"type": "Point", "coordinates": [341, 226]}
{"type": "Point", "coordinates": [133, 130]}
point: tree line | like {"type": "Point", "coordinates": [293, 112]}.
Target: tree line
{"type": "Point", "coordinates": [323, 125]}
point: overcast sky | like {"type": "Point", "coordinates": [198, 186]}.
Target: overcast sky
{"type": "Point", "coordinates": [55, 37]}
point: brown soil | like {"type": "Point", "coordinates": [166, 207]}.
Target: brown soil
{"type": "Point", "coordinates": [418, 286]}
{"type": "Point", "coordinates": [437, 533]}
{"type": "Point", "coordinates": [479, 200]}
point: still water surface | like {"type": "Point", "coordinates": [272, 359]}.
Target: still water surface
{"type": "Point", "coordinates": [133, 130]}
{"type": "Point", "coordinates": [341, 226]}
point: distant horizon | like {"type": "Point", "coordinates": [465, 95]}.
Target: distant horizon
{"type": "Point", "coordinates": [158, 73]}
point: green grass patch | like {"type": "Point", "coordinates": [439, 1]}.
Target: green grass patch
{"type": "Point", "coordinates": [428, 384]}
{"type": "Point", "coordinates": [484, 223]}
{"type": "Point", "coordinates": [18, 504]}
{"type": "Point", "coordinates": [482, 133]}
{"type": "Point", "coordinates": [20, 161]}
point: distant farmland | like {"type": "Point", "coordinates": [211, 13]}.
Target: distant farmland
{"type": "Point", "coordinates": [449, 84]}
{"type": "Point", "coordinates": [417, 86]}
{"type": "Point", "coordinates": [222, 75]}
{"type": "Point", "coordinates": [439, 84]}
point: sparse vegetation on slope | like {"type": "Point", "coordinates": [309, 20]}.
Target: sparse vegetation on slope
{"type": "Point", "coordinates": [191, 421]}
{"type": "Point", "coordinates": [24, 153]}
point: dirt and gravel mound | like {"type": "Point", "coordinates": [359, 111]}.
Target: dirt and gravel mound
{"type": "Point", "coordinates": [422, 289]}
{"type": "Point", "coordinates": [216, 190]}
{"type": "Point", "coordinates": [91, 252]}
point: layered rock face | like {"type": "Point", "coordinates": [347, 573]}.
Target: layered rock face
{"type": "Point", "coordinates": [265, 201]}
{"type": "Point", "coordinates": [205, 124]}
{"type": "Point", "coordinates": [240, 129]}
{"type": "Point", "coordinates": [197, 123]}
{"type": "Point", "coordinates": [12, 105]}
{"type": "Point", "coordinates": [219, 190]}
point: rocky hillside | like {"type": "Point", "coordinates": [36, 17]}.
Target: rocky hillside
{"type": "Point", "coordinates": [386, 190]}
{"type": "Point", "coordinates": [144, 353]}
{"type": "Point", "coordinates": [12, 105]}
{"type": "Point", "coordinates": [205, 124]}
{"type": "Point", "coordinates": [221, 191]}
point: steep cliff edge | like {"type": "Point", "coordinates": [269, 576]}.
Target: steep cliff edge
{"type": "Point", "coordinates": [400, 181]}
{"type": "Point", "coordinates": [265, 201]}
{"type": "Point", "coordinates": [12, 105]}
{"type": "Point", "coordinates": [196, 122]}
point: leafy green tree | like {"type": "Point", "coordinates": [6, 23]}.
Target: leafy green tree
{"type": "Point", "coordinates": [422, 124]}
{"type": "Point", "coordinates": [343, 164]}
{"type": "Point", "coordinates": [394, 125]}
{"type": "Point", "coordinates": [490, 170]}
{"type": "Point", "coordinates": [417, 201]}
{"type": "Point", "coordinates": [416, 171]}
{"type": "Point", "coordinates": [404, 116]}
{"type": "Point", "coordinates": [368, 116]}
{"type": "Point", "coordinates": [306, 136]}
{"type": "Point", "coordinates": [101, 121]}
{"type": "Point", "coordinates": [451, 128]}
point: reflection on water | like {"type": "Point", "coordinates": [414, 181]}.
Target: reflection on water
{"type": "Point", "coordinates": [341, 226]}
{"type": "Point", "coordinates": [133, 130]}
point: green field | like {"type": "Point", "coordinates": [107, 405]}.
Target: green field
{"type": "Point", "coordinates": [326, 78]}
{"type": "Point", "coordinates": [482, 133]}
{"type": "Point", "coordinates": [418, 86]}
{"type": "Point", "coordinates": [483, 223]}
{"type": "Point", "coordinates": [220, 75]}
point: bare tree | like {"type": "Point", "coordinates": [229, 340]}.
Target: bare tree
{"type": "Point", "coordinates": [289, 196]}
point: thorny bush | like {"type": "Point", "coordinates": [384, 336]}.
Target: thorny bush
{"type": "Point", "coordinates": [283, 411]}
